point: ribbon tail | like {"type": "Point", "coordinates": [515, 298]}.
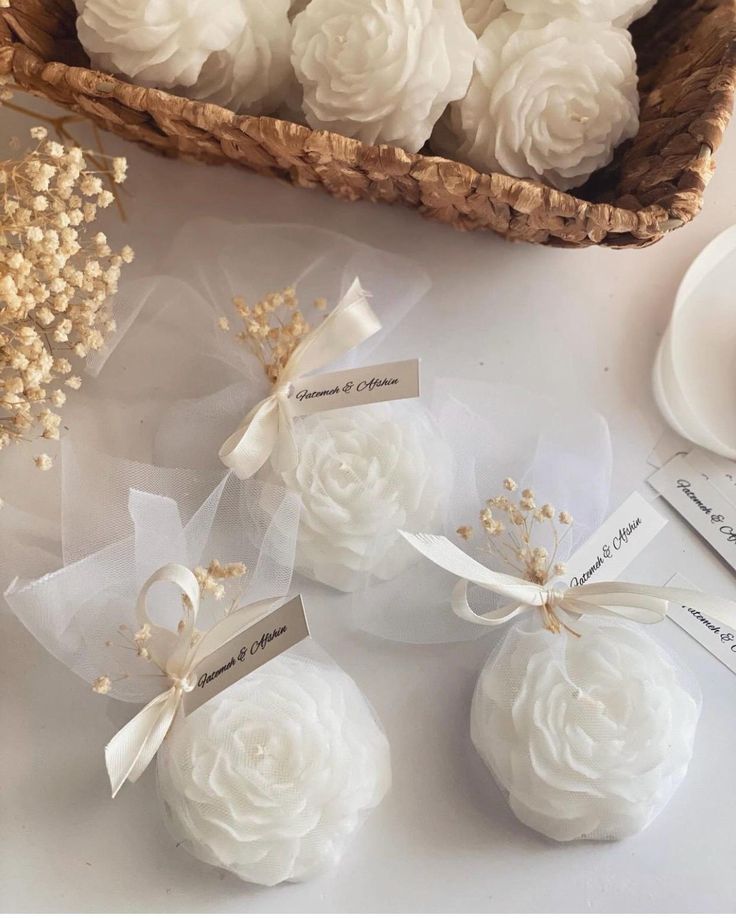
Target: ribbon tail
{"type": "Point", "coordinates": [285, 454]}
{"type": "Point", "coordinates": [248, 449]}
{"type": "Point", "coordinates": [462, 608]}
{"type": "Point", "coordinates": [656, 599]}
{"type": "Point", "coordinates": [349, 324]}
{"type": "Point", "coordinates": [447, 555]}
{"type": "Point", "coordinates": [131, 750]}
{"type": "Point", "coordinates": [648, 613]}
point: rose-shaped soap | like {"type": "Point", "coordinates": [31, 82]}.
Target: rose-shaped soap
{"type": "Point", "coordinates": [253, 73]}
{"type": "Point", "coordinates": [379, 70]}
{"type": "Point", "coordinates": [619, 12]}
{"type": "Point", "coordinates": [478, 13]}
{"type": "Point", "coordinates": [270, 778]}
{"type": "Point", "coordinates": [363, 474]}
{"type": "Point", "coordinates": [548, 100]}
{"type": "Point", "coordinates": [589, 736]}
{"type": "Point", "coordinates": [160, 43]}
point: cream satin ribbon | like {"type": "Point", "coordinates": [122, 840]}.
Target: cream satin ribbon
{"type": "Point", "coordinates": [634, 601]}
{"type": "Point", "coordinates": [130, 751]}
{"type": "Point", "coordinates": [267, 429]}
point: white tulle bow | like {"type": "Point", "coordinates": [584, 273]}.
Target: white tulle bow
{"type": "Point", "coordinates": [130, 751]}
{"type": "Point", "coordinates": [634, 601]}
{"type": "Point", "coordinates": [267, 429]}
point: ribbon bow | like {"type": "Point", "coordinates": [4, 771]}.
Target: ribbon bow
{"type": "Point", "coordinates": [267, 428]}
{"type": "Point", "coordinates": [634, 601]}
{"type": "Point", "coordinates": [131, 750]}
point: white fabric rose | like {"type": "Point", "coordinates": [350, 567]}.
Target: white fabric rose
{"type": "Point", "coordinates": [478, 13]}
{"type": "Point", "coordinates": [546, 101]}
{"type": "Point", "coordinates": [271, 777]}
{"type": "Point", "coordinates": [363, 473]}
{"type": "Point", "coordinates": [253, 74]}
{"type": "Point", "coordinates": [161, 43]}
{"type": "Point", "coordinates": [589, 736]}
{"type": "Point", "coordinates": [379, 70]}
{"type": "Point", "coordinates": [620, 12]}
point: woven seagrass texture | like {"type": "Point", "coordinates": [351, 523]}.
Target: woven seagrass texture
{"type": "Point", "coordinates": [687, 67]}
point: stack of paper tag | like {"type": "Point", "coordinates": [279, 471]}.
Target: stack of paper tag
{"type": "Point", "coordinates": [701, 487]}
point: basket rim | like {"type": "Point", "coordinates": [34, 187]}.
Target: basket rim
{"type": "Point", "coordinates": [26, 67]}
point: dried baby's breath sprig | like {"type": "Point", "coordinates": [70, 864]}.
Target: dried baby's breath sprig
{"type": "Point", "coordinates": [56, 276]}
{"type": "Point", "coordinates": [211, 578]}
{"type": "Point", "coordinates": [102, 685]}
{"type": "Point", "coordinates": [211, 582]}
{"type": "Point", "coordinates": [112, 169]}
{"type": "Point", "coordinates": [273, 328]}
{"type": "Point", "coordinates": [510, 526]}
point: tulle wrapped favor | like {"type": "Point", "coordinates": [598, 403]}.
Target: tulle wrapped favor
{"type": "Point", "coordinates": [494, 431]}
{"type": "Point", "coordinates": [589, 737]}
{"type": "Point", "coordinates": [270, 777]}
{"type": "Point", "coordinates": [362, 472]}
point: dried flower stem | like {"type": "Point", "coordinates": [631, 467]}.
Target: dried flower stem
{"type": "Point", "coordinates": [211, 581]}
{"type": "Point", "coordinates": [59, 124]}
{"type": "Point", "coordinates": [273, 328]}
{"type": "Point", "coordinates": [509, 537]}
{"type": "Point", "coordinates": [56, 278]}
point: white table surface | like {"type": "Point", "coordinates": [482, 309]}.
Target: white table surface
{"type": "Point", "coordinates": [573, 321]}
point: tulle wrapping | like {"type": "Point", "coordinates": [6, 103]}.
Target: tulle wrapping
{"type": "Point", "coordinates": [588, 737]}
{"type": "Point", "coordinates": [363, 472]}
{"type": "Point", "coordinates": [495, 431]}
{"type": "Point", "coordinates": [121, 521]}
{"type": "Point", "coordinates": [272, 776]}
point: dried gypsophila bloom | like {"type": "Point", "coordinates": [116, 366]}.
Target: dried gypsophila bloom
{"type": "Point", "coordinates": [273, 328]}
{"type": "Point", "coordinates": [510, 526]}
{"type": "Point", "coordinates": [211, 581]}
{"type": "Point", "coordinates": [56, 276]}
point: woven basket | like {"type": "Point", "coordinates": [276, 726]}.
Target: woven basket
{"type": "Point", "coordinates": [687, 66]}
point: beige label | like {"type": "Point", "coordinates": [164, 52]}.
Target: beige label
{"type": "Point", "coordinates": [717, 638]}
{"type": "Point", "coordinates": [254, 646]}
{"type": "Point", "coordinates": [384, 382]}
{"type": "Point", "coordinates": [610, 550]}
{"type": "Point", "coordinates": [705, 507]}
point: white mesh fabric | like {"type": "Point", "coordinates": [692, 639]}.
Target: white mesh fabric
{"type": "Point", "coordinates": [364, 473]}
{"type": "Point", "coordinates": [494, 431]}
{"type": "Point", "coordinates": [123, 520]}
{"type": "Point", "coordinates": [221, 260]}
{"type": "Point", "coordinates": [270, 778]}
{"type": "Point", "coordinates": [589, 737]}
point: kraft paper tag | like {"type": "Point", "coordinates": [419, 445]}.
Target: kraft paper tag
{"type": "Point", "coordinates": [717, 638]}
{"type": "Point", "coordinates": [615, 544]}
{"type": "Point", "coordinates": [243, 654]}
{"type": "Point", "coordinates": [703, 505]}
{"type": "Point", "coordinates": [383, 382]}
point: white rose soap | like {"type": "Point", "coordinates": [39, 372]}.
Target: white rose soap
{"type": "Point", "coordinates": [619, 12]}
{"type": "Point", "coordinates": [161, 43]}
{"type": "Point", "coordinates": [589, 736]}
{"type": "Point", "coordinates": [380, 71]}
{"type": "Point", "coordinates": [270, 778]}
{"type": "Point", "coordinates": [548, 100]}
{"type": "Point", "coordinates": [363, 474]}
{"type": "Point", "coordinates": [479, 13]}
{"type": "Point", "coordinates": [253, 74]}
